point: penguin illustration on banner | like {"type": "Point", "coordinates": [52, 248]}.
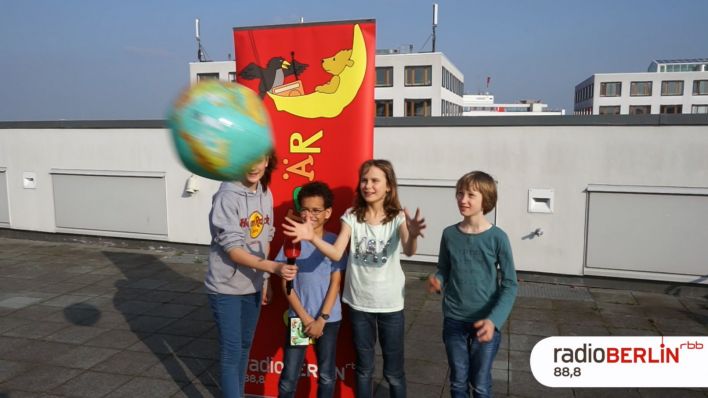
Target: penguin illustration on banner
{"type": "Point", "coordinates": [273, 75]}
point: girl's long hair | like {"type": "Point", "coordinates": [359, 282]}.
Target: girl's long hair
{"type": "Point", "coordinates": [391, 205]}
{"type": "Point", "coordinates": [268, 173]}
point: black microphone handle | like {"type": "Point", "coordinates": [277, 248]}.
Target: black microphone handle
{"type": "Point", "coordinates": [288, 287]}
{"type": "Point", "coordinates": [289, 284]}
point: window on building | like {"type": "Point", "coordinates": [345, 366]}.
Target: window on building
{"type": "Point", "coordinates": [384, 108]}
{"type": "Point", "coordinates": [699, 109]}
{"type": "Point", "coordinates": [669, 109]}
{"type": "Point", "coordinates": [609, 110]}
{"type": "Point", "coordinates": [384, 76]}
{"type": "Point", "coordinates": [232, 76]}
{"type": "Point", "coordinates": [639, 89]}
{"type": "Point", "coordinates": [450, 109]}
{"type": "Point", "coordinates": [207, 76]}
{"type": "Point", "coordinates": [700, 87]}
{"type": "Point", "coordinates": [610, 89]}
{"type": "Point", "coordinates": [640, 109]}
{"type": "Point", "coordinates": [418, 107]}
{"type": "Point", "coordinates": [672, 87]}
{"type": "Point", "coordinates": [419, 75]}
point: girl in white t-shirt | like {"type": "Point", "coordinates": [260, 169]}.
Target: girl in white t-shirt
{"type": "Point", "coordinates": [377, 230]}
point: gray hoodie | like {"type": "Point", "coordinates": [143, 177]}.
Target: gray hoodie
{"type": "Point", "coordinates": [238, 218]}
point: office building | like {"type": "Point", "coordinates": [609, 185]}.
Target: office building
{"type": "Point", "coordinates": [668, 86]}
{"type": "Point", "coordinates": [407, 84]}
{"type": "Point", "coordinates": [484, 105]}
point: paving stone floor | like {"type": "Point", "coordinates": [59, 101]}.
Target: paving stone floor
{"type": "Point", "coordinates": [95, 320]}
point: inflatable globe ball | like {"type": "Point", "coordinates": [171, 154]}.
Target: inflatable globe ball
{"type": "Point", "coordinates": [219, 129]}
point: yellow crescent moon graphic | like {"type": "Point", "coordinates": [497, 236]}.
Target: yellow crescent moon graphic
{"type": "Point", "coordinates": [318, 104]}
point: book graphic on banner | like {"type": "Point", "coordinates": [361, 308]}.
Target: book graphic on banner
{"type": "Point", "coordinates": [292, 89]}
{"type": "Point", "coordinates": [297, 333]}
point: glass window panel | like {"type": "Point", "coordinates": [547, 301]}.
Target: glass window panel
{"type": "Point", "coordinates": [640, 89]}
{"type": "Point", "coordinates": [418, 107]}
{"type": "Point", "coordinates": [384, 108]}
{"type": "Point", "coordinates": [207, 76]}
{"type": "Point", "coordinates": [418, 75]}
{"type": "Point", "coordinates": [670, 109]}
{"type": "Point", "coordinates": [672, 87]}
{"type": "Point", "coordinates": [700, 87]}
{"type": "Point", "coordinates": [384, 76]}
{"type": "Point", "coordinates": [610, 89]}
{"type": "Point", "coordinates": [640, 109]}
{"type": "Point", "coordinates": [609, 110]}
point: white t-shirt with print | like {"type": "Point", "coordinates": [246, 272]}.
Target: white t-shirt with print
{"type": "Point", "coordinates": [374, 281]}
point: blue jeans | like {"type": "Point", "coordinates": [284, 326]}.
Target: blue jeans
{"type": "Point", "coordinates": [326, 350]}
{"type": "Point", "coordinates": [470, 361]}
{"type": "Point", "coordinates": [236, 317]}
{"type": "Point", "coordinates": [390, 326]}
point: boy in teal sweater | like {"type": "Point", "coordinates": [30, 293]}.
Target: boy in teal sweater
{"type": "Point", "coordinates": [477, 278]}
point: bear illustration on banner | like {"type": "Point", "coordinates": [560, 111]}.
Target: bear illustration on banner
{"type": "Point", "coordinates": [347, 67]}
{"type": "Point", "coordinates": [335, 65]}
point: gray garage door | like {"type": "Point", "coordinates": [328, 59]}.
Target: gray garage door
{"type": "Point", "coordinates": [648, 229]}
{"type": "Point", "coordinates": [131, 204]}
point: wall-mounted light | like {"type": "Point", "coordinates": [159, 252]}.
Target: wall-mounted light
{"type": "Point", "coordinates": [540, 200]}
{"type": "Point", "coordinates": [192, 185]}
{"type": "Point", "coordinates": [29, 180]}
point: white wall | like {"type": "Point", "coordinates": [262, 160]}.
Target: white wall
{"type": "Point", "coordinates": [565, 157]}
{"type": "Point", "coordinates": [130, 150]}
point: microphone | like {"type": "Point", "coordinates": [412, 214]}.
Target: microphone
{"type": "Point", "coordinates": [292, 252]}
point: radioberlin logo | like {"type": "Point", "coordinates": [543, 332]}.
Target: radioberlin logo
{"type": "Point", "coordinates": [657, 361]}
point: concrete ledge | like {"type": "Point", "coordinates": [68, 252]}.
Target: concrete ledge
{"type": "Point", "coordinates": [124, 243]}
{"type": "Point", "coordinates": [445, 121]}
{"type": "Point", "coordinates": [84, 124]}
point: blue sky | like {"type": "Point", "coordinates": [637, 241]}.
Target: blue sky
{"type": "Point", "coordinates": [100, 59]}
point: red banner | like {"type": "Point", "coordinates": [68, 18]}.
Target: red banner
{"type": "Point", "coordinates": [317, 82]}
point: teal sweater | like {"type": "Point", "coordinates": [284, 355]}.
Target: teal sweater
{"type": "Point", "coordinates": [473, 289]}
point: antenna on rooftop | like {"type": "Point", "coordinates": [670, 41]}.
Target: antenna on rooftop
{"type": "Point", "coordinates": [435, 22]}
{"type": "Point", "coordinates": [201, 52]}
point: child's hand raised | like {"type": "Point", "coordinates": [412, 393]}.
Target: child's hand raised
{"type": "Point", "coordinates": [298, 230]}
{"type": "Point", "coordinates": [416, 224]}
{"type": "Point", "coordinates": [433, 284]}
{"type": "Point", "coordinates": [485, 330]}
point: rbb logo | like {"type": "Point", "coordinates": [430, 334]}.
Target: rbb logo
{"type": "Point", "coordinates": [692, 346]}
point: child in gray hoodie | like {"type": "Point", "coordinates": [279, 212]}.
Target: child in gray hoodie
{"type": "Point", "coordinates": [241, 225]}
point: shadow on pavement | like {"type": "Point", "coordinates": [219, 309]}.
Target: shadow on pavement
{"type": "Point", "coordinates": [171, 320]}
{"type": "Point", "coordinates": [82, 314]}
